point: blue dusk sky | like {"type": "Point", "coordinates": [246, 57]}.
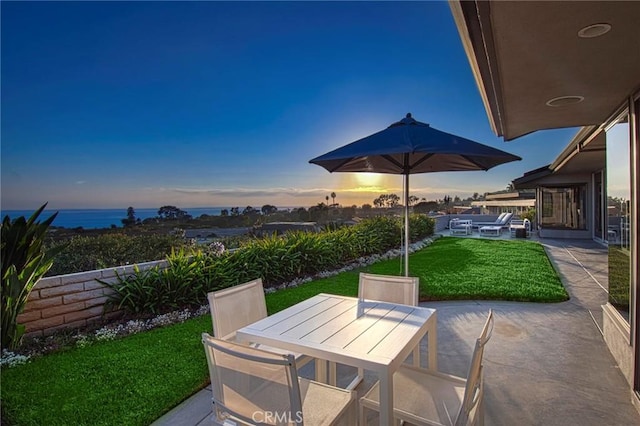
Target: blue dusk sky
{"type": "Point", "coordinates": [194, 104]}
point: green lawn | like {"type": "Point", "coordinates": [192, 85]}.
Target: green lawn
{"type": "Point", "coordinates": [133, 381]}
{"type": "Point", "coordinates": [455, 269]}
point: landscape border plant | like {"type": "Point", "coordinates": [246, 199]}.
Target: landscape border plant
{"type": "Point", "coordinates": [24, 260]}
{"type": "Point", "coordinates": [275, 259]}
{"type": "Point", "coordinates": [86, 253]}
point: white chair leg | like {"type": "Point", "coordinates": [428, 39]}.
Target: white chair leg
{"type": "Point", "coordinates": [416, 356]}
{"type": "Point", "coordinates": [353, 417]}
{"type": "Point", "coordinates": [356, 381]}
{"type": "Point", "coordinates": [363, 417]}
{"type": "Point", "coordinates": [333, 377]}
{"type": "Point", "coordinates": [481, 412]}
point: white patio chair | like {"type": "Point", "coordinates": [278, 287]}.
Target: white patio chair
{"type": "Point", "coordinates": [425, 397]}
{"type": "Point", "coordinates": [516, 224]}
{"type": "Point", "coordinates": [254, 386]}
{"type": "Point", "coordinates": [385, 288]}
{"type": "Point", "coordinates": [389, 288]}
{"type": "Point", "coordinates": [461, 226]}
{"type": "Point", "coordinates": [238, 306]}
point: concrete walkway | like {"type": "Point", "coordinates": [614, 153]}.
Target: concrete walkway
{"type": "Point", "coordinates": [546, 364]}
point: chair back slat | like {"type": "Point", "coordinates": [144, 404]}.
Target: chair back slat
{"type": "Point", "coordinates": [236, 307]}
{"type": "Point", "coordinates": [255, 386]}
{"type": "Point", "coordinates": [389, 288]}
{"type": "Point", "coordinates": [505, 219]}
{"type": "Point", "coordinates": [473, 393]}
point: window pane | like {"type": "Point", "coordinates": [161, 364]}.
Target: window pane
{"type": "Point", "coordinates": [564, 207]}
{"type": "Point", "coordinates": [618, 207]}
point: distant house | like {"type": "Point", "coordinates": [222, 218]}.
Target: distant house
{"type": "Point", "coordinates": [569, 191]}
{"type": "Point", "coordinates": [516, 202]}
{"type": "Point", "coordinates": [467, 210]}
{"type": "Point", "coordinates": [279, 228]}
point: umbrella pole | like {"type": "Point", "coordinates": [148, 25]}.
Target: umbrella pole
{"type": "Point", "coordinates": [406, 225]}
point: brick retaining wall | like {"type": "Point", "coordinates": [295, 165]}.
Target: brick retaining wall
{"type": "Point", "coordinates": [72, 300]}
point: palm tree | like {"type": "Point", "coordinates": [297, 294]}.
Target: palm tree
{"type": "Point", "coordinates": [333, 195]}
{"type": "Point", "coordinates": [327, 198]}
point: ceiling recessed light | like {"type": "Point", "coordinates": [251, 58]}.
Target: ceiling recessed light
{"type": "Point", "coordinates": [595, 30]}
{"type": "Point", "coordinates": [564, 100]}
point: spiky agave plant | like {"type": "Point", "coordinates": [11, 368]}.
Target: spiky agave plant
{"type": "Point", "coordinates": [24, 261]}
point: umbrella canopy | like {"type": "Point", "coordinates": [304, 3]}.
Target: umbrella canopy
{"type": "Point", "coordinates": [409, 147]}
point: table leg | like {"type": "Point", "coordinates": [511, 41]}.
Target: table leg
{"type": "Point", "coordinates": [432, 337]}
{"type": "Point", "coordinates": [321, 370]}
{"type": "Point", "coordinates": [386, 398]}
{"type": "Point", "coordinates": [416, 356]}
{"type": "Point", "coordinates": [333, 373]}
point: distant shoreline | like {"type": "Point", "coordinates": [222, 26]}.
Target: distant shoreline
{"type": "Point", "coordinates": [105, 218]}
{"type": "Point", "coordinates": [102, 218]}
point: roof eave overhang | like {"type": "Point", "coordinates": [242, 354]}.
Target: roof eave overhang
{"type": "Point", "coordinates": [580, 140]}
{"type": "Point", "coordinates": [474, 26]}
{"type": "Point", "coordinates": [530, 179]}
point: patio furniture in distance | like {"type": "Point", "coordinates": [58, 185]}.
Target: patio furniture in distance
{"type": "Point", "coordinates": [426, 397]}
{"type": "Point", "coordinates": [520, 226]}
{"type": "Point", "coordinates": [254, 386]}
{"type": "Point", "coordinates": [234, 307]}
{"type": "Point", "coordinates": [502, 220]}
{"type": "Point", "coordinates": [460, 227]}
{"type": "Point", "coordinates": [377, 336]}
{"type": "Point", "coordinates": [490, 231]}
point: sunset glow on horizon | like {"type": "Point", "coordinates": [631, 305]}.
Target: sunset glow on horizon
{"type": "Point", "coordinates": [205, 104]}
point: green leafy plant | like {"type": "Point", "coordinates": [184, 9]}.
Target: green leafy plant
{"type": "Point", "coordinates": [82, 253]}
{"type": "Point", "coordinates": [275, 259]}
{"type": "Point", "coordinates": [156, 290]}
{"type": "Point", "coordinates": [529, 214]}
{"type": "Point", "coordinates": [136, 292]}
{"type": "Point", "coordinates": [24, 262]}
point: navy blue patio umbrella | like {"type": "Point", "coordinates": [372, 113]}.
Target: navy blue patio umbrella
{"type": "Point", "coordinates": [409, 147]}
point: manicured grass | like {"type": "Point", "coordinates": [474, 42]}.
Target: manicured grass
{"type": "Point", "coordinates": [135, 380]}
{"type": "Point", "coordinates": [464, 268]}
{"type": "Point", "coordinates": [130, 381]}
{"type": "Point", "coordinates": [455, 269]}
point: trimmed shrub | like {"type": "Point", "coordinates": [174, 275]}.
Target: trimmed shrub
{"type": "Point", "coordinates": [275, 259]}
{"type": "Point", "coordinates": [108, 250]}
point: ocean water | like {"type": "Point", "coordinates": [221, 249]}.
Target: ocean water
{"type": "Point", "coordinates": [102, 218]}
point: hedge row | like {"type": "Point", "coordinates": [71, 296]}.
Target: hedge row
{"type": "Point", "coordinates": [276, 259]}
{"type": "Point", "coordinates": [108, 250]}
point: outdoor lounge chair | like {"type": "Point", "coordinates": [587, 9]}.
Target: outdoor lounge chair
{"type": "Point", "coordinates": [426, 397]}
{"type": "Point", "coordinates": [502, 220]}
{"type": "Point", "coordinates": [254, 386]}
{"type": "Point", "coordinates": [385, 288]}
{"type": "Point", "coordinates": [460, 226]}
{"type": "Point", "coordinates": [238, 306]}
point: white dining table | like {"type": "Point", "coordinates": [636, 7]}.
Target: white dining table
{"type": "Point", "coordinates": [377, 336]}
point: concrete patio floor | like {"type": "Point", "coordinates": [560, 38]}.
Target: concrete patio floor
{"type": "Point", "coordinates": [546, 364]}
